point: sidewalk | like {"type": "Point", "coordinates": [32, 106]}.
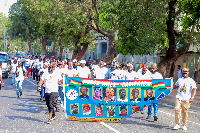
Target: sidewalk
{"type": "Point", "coordinates": [196, 102]}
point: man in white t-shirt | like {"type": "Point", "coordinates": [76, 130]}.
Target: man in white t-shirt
{"type": "Point", "coordinates": [143, 73]}
{"type": "Point", "coordinates": [1, 81]}
{"type": "Point", "coordinates": [39, 66]}
{"type": "Point", "coordinates": [130, 74]}
{"type": "Point", "coordinates": [42, 71]}
{"type": "Point", "coordinates": [83, 71]}
{"type": "Point", "coordinates": [70, 71]}
{"type": "Point", "coordinates": [51, 80]}
{"type": "Point", "coordinates": [101, 71]}
{"type": "Point", "coordinates": [153, 75]}
{"type": "Point", "coordinates": [19, 78]}
{"type": "Point", "coordinates": [186, 86]}
{"type": "Point", "coordinates": [12, 70]}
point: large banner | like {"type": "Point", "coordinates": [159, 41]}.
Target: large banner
{"type": "Point", "coordinates": [110, 100]}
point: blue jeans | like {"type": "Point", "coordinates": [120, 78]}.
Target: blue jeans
{"type": "Point", "coordinates": [60, 94]}
{"type": "Point", "coordinates": [155, 106]}
{"type": "Point", "coordinates": [26, 67]}
{"type": "Point", "coordinates": [33, 73]}
{"type": "Point", "coordinates": [18, 87]}
{"type": "Point", "coordinates": [13, 78]}
{"type": "Point", "coordinates": [42, 91]}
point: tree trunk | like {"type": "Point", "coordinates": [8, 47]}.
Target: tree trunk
{"type": "Point", "coordinates": [54, 47]}
{"type": "Point", "coordinates": [78, 53]}
{"type": "Point", "coordinates": [29, 47]}
{"type": "Point", "coordinates": [44, 44]}
{"type": "Point", "coordinates": [166, 67]}
{"type": "Point", "coordinates": [61, 50]}
{"type": "Point", "coordinates": [112, 53]}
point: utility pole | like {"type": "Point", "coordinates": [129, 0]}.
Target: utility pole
{"type": "Point", "coordinates": [4, 41]}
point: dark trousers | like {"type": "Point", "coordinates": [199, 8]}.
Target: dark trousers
{"type": "Point", "coordinates": [50, 99]}
{"type": "Point", "coordinates": [33, 73]}
{"type": "Point", "coordinates": [37, 75]}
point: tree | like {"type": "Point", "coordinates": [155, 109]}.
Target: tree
{"type": "Point", "coordinates": [149, 26]}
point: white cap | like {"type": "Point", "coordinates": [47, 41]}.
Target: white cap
{"type": "Point", "coordinates": [104, 63]}
{"type": "Point", "coordinates": [83, 61]}
{"type": "Point", "coordinates": [74, 60]}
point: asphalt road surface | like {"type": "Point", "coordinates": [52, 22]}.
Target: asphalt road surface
{"type": "Point", "coordinates": [29, 114]}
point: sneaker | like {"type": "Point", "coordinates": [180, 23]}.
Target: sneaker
{"type": "Point", "coordinates": [49, 121]}
{"type": "Point", "coordinates": [184, 128]}
{"type": "Point", "coordinates": [177, 127]}
{"type": "Point", "coordinates": [53, 117]}
{"type": "Point", "coordinates": [142, 112]}
{"type": "Point", "coordinates": [155, 118]}
{"type": "Point", "coordinates": [12, 84]}
{"type": "Point", "coordinates": [148, 117]}
{"type": "Point", "coordinates": [20, 93]}
{"type": "Point", "coordinates": [17, 96]}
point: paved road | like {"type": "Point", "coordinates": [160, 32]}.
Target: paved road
{"type": "Point", "coordinates": [28, 114]}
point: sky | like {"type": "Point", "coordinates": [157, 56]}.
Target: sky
{"type": "Point", "coordinates": [5, 5]}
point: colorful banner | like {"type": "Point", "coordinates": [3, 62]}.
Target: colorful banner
{"type": "Point", "coordinates": [110, 100]}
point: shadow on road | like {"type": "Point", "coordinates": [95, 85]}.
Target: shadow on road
{"type": "Point", "coordinates": [21, 117]}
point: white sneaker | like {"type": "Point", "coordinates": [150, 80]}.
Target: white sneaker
{"type": "Point", "coordinates": [184, 128]}
{"type": "Point", "coordinates": [177, 127]}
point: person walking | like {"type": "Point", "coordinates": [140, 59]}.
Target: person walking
{"type": "Point", "coordinates": [51, 80]}
{"type": "Point", "coordinates": [186, 86]}
{"type": "Point", "coordinates": [20, 76]}
{"type": "Point", "coordinates": [153, 75]}
{"type": "Point", "coordinates": [12, 71]}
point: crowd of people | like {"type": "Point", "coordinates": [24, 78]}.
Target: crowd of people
{"type": "Point", "coordinates": [49, 74]}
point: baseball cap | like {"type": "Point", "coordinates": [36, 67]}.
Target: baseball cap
{"type": "Point", "coordinates": [82, 61]}
{"type": "Point", "coordinates": [74, 60]}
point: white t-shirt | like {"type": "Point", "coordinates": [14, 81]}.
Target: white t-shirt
{"type": "Point", "coordinates": [35, 63]}
{"type": "Point", "coordinates": [113, 74]}
{"type": "Point", "coordinates": [131, 76]}
{"type": "Point", "coordinates": [59, 71]}
{"type": "Point", "coordinates": [21, 71]}
{"type": "Point", "coordinates": [95, 67]}
{"type": "Point", "coordinates": [185, 86]}
{"type": "Point", "coordinates": [157, 75]}
{"type": "Point", "coordinates": [70, 72]}
{"type": "Point", "coordinates": [13, 68]}
{"type": "Point", "coordinates": [39, 65]}
{"type": "Point", "coordinates": [100, 73]}
{"type": "Point", "coordinates": [27, 63]}
{"type": "Point", "coordinates": [44, 70]}
{"type": "Point", "coordinates": [143, 76]}
{"type": "Point", "coordinates": [51, 82]}
{"type": "Point", "coordinates": [83, 72]}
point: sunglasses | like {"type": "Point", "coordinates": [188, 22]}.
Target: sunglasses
{"type": "Point", "coordinates": [59, 64]}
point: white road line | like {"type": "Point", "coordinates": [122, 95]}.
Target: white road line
{"type": "Point", "coordinates": [104, 124]}
{"type": "Point", "coordinates": [114, 130]}
{"type": "Point", "coordinates": [173, 116]}
{"type": "Point", "coordinates": [31, 82]}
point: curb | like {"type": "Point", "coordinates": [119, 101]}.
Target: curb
{"type": "Point", "coordinates": [173, 98]}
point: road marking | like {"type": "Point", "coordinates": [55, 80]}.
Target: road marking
{"type": "Point", "coordinates": [114, 130]}
{"type": "Point", "coordinates": [31, 82]}
{"type": "Point", "coordinates": [7, 130]}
